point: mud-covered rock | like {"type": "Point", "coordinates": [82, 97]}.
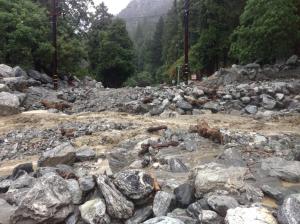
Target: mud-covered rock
{"type": "Point", "coordinates": [134, 184]}
{"type": "Point", "coordinates": [117, 205]}
{"type": "Point", "coordinates": [48, 201]}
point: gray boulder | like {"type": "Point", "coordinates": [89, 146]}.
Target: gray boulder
{"type": "Point", "coordinates": [252, 215]}
{"type": "Point", "coordinates": [268, 102]}
{"type": "Point", "coordinates": [163, 203]}
{"type": "Point", "coordinates": [62, 154]}
{"type": "Point", "coordinates": [49, 201]}
{"type": "Point", "coordinates": [221, 203]}
{"type": "Point", "coordinates": [210, 217]}
{"type": "Point", "coordinates": [281, 168]}
{"type": "Point", "coordinates": [293, 60]}
{"type": "Point", "coordinates": [19, 72]}
{"type": "Point", "coordinates": [86, 183]}
{"type": "Point", "coordinates": [117, 205]}
{"type": "Point", "coordinates": [134, 184]}
{"type": "Point", "coordinates": [94, 212]}
{"type": "Point", "coordinates": [43, 78]}
{"type": "Point", "coordinates": [9, 104]}
{"type": "Point", "coordinates": [251, 109]}
{"type": "Point", "coordinates": [163, 220]}
{"type": "Point", "coordinates": [75, 191]}
{"type": "Point", "coordinates": [140, 215]}
{"type": "Point", "coordinates": [5, 71]}
{"type": "Point", "coordinates": [184, 105]}
{"type": "Point", "coordinates": [182, 215]}
{"type": "Point", "coordinates": [4, 185]}
{"type": "Point", "coordinates": [288, 212]}
{"type": "Point", "coordinates": [184, 195]}
{"type": "Point", "coordinates": [6, 212]}
{"type": "Point", "coordinates": [215, 176]}
{"type": "Point", "coordinates": [4, 88]}
{"type": "Point", "coordinates": [195, 210]}
{"type": "Point", "coordinates": [85, 154]}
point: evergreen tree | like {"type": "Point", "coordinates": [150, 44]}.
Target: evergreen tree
{"type": "Point", "coordinates": [156, 47]}
{"type": "Point", "coordinates": [24, 29]}
{"type": "Point", "coordinates": [269, 30]}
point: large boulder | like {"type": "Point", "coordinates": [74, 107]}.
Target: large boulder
{"type": "Point", "coordinates": [289, 211]}
{"type": "Point", "coordinates": [48, 201]}
{"type": "Point", "coordinates": [281, 168]}
{"type": "Point", "coordinates": [6, 211]}
{"type": "Point", "coordinates": [5, 71]}
{"type": "Point", "coordinates": [19, 72]}
{"type": "Point", "coordinates": [94, 211]}
{"type": "Point", "coordinates": [163, 220]}
{"type": "Point", "coordinates": [62, 154]}
{"type": "Point", "coordinates": [215, 176]}
{"type": "Point", "coordinates": [134, 184]}
{"type": "Point", "coordinates": [9, 104]}
{"type": "Point", "coordinates": [117, 205]}
{"type": "Point", "coordinates": [254, 215]}
{"type": "Point", "coordinates": [268, 102]}
{"type": "Point", "coordinates": [43, 78]}
{"type": "Point", "coordinates": [184, 195]}
{"type": "Point", "coordinates": [140, 215]}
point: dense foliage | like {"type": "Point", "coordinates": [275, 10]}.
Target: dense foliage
{"type": "Point", "coordinates": [93, 42]}
{"type": "Point", "coordinates": [223, 32]}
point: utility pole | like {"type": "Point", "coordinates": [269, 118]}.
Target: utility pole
{"type": "Point", "coordinates": [186, 69]}
{"type": "Point", "coordinates": [54, 43]}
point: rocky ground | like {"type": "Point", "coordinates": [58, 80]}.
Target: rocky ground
{"type": "Point", "coordinates": [226, 150]}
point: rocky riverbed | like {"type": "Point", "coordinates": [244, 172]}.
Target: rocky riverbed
{"type": "Point", "coordinates": [226, 150]}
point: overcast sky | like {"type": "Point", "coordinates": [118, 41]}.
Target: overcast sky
{"type": "Point", "coordinates": [114, 6]}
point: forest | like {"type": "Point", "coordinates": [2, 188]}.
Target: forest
{"type": "Point", "coordinates": [93, 42]}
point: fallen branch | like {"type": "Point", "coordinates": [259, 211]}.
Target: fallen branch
{"type": "Point", "coordinates": [158, 128]}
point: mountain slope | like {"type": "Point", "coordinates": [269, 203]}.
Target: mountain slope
{"type": "Point", "coordinates": [144, 11]}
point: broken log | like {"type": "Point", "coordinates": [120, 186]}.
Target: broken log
{"type": "Point", "coordinates": [157, 128]}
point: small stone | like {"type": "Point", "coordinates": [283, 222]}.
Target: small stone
{"type": "Point", "coordinates": [177, 166]}
{"type": "Point", "coordinates": [250, 109]}
{"type": "Point", "coordinates": [184, 195]}
{"type": "Point", "coordinates": [94, 211]}
{"type": "Point", "coordinates": [163, 203]}
{"type": "Point", "coordinates": [246, 99]}
{"type": "Point", "coordinates": [221, 204]}
{"type": "Point", "coordinates": [279, 96]}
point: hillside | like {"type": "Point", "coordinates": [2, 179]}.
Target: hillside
{"type": "Point", "coordinates": [144, 11]}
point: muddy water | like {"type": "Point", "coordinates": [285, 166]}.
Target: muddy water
{"type": "Point", "coordinates": [104, 141]}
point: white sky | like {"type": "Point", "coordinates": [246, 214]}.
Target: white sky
{"type": "Point", "coordinates": [114, 6]}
